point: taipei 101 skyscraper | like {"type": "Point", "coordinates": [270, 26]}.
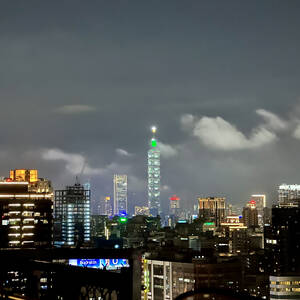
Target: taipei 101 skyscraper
{"type": "Point", "coordinates": [154, 176]}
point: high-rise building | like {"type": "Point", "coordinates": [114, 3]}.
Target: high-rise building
{"type": "Point", "coordinates": [120, 195]}
{"type": "Point", "coordinates": [212, 209]}
{"type": "Point", "coordinates": [282, 241]}
{"type": "Point", "coordinates": [175, 206]}
{"type": "Point", "coordinates": [25, 212]}
{"type": "Point", "coordinates": [154, 176]}
{"type": "Point", "coordinates": [72, 215]}
{"type": "Point", "coordinates": [289, 195]}
{"type": "Point", "coordinates": [260, 201]}
{"type": "Point", "coordinates": [107, 209]}
{"type": "Point", "coordinates": [250, 215]}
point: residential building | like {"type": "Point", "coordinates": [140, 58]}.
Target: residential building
{"type": "Point", "coordinates": [169, 279]}
{"type": "Point", "coordinates": [26, 213]}
{"type": "Point", "coordinates": [284, 287]}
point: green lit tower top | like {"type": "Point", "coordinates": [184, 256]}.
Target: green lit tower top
{"type": "Point", "coordinates": [154, 176]}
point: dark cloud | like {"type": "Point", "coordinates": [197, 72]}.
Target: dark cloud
{"type": "Point", "coordinates": [88, 79]}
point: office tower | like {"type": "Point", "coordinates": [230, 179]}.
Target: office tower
{"type": "Point", "coordinates": [154, 177]}
{"type": "Point", "coordinates": [212, 209]}
{"type": "Point", "coordinates": [250, 215]}
{"type": "Point", "coordinates": [72, 215]}
{"type": "Point", "coordinates": [107, 207]}
{"type": "Point", "coordinates": [175, 205]}
{"type": "Point", "coordinates": [260, 201]}
{"type": "Point", "coordinates": [282, 242]}
{"type": "Point", "coordinates": [288, 195]}
{"type": "Point", "coordinates": [141, 211]}
{"type": "Point", "coordinates": [120, 195]}
{"type": "Point", "coordinates": [26, 214]}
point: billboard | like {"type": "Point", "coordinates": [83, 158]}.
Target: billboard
{"type": "Point", "coordinates": [100, 263]}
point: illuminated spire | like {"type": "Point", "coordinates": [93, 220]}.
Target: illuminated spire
{"type": "Point", "coordinates": [153, 129]}
{"type": "Point", "coordinates": [153, 140]}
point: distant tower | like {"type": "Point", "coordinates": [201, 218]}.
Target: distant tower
{"type": "Point", "coordinates": [120, 195]}
{"type": "Point", "coordinates": [154, 176]}
{"type": "Point", "coordinates": [250, 214]}
{"type": "Point", "coordinates": [174, 205]}
{"type": "Point", "coordinates": [261, 206]}
{"type": "Point", "coordinates": [107, 210]}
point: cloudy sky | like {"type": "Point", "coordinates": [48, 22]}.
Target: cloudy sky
{"type": "Point", "coordinates": [81, 82]}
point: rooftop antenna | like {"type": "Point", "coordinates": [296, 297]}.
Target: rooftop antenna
{"type": "Point", "coordinates": [78, 177]}
{"type": "Point", "coordinates": [153, 129]}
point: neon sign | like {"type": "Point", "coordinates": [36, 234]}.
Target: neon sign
{"type": "Point", "coordinates": [100, 263]}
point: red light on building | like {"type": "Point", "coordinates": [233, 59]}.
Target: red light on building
{"type": "Point", "coordinates": [174, 198]}
{"type": "Point", "coordinates": [252, 204]}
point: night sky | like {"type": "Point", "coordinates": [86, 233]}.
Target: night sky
{"type": "Point", "coordinates": [81, 83]}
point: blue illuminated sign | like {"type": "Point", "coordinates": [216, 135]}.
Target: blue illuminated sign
{"type": "Point", "coordinates": [100, 263]}
{"type": "Point", "coordinates": [182, 221]}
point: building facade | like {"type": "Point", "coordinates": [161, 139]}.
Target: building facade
{"type": "Point", "coordinates": [72, 216]}
{"type": "Point", "coordinates": [175, 206]}
{"type": "Point", "coordinates": [261, 204]}
{"type": "Point", "coordinates": [250, 215]}
{"type": "Point", "coordinates": [169, 279]}
{"type": "Point", "coordinates": [154, 177]}
{"type": "Point", "coordinates": [120, 195]}
{"type": "Point", "coordinates": [26, 213]}
{"type": "Point", "coordinates": [282, 241]}
{"type": "Point", "coordinates": [284, 287]}
{"type": "Point", "coordinates": [288, 194]}
{"type": "Point", "coordinates": [29, 175]}
{"type": "Point", "coordinates": [107, 211]}
{"type": "Point", "coordinates": [212, 209]}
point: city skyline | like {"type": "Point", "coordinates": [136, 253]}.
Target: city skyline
{"type": "Point", "coordinates": [149, 150]}
{"type": "Point", "coordinates": [103, 81]}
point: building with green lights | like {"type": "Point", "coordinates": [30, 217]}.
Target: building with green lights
{"type": "Point", "coordinates": [154, 177]}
